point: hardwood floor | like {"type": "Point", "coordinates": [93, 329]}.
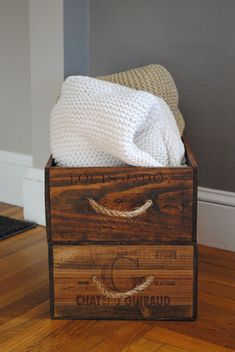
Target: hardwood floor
{"type": "Point", "coordinates": [25, 325]}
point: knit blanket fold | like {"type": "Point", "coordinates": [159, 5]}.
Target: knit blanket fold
{"type": "Point", "coordinates": [98, 123]}
{"type": "Point", "coordinates": [154, 79]}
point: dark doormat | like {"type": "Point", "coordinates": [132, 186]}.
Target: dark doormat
{"type": "Point", "coordinates": [10, 227]}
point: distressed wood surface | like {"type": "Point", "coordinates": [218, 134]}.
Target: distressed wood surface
{"type": "Point", "coordinates": [120, 269]}
{"type": "Point", "coordinates": [171, 219]}
{"type": "Point", "coordinates": [25, 323]}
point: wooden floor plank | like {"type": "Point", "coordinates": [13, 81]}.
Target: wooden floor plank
{"type": "Point", "coordinates": [12, 212]}
{"type": "Point", "coordinates": [5, 206]}
{"type": "Point", "coordinates": [22, 321]}
{"type": "Point", "coordinates": [170, 348]}
{"type": "Point", "coordinates": [25, 325]}
{"type": "Point", "coordinates": [217, 257]}
{"type": "Point", "coordinates": [143, 344]}
{"type": "Point", "coordinates": [16, 243]}
{"type": "Point", "coordinates": [182, 341]}
{"type": "Point", "coordinates": [108, 336]}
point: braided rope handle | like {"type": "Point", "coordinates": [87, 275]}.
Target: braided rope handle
{"type": "Point", "coordinates": [116, 294]}
{"type": "Point", "coordinates": [120, 214]}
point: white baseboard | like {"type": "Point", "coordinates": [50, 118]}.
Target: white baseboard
{"type": "Point", "coordinates": [13, 168]}
{"type": "Point", "coordinates": [33, 195]}
{"type": "Point", "coordinates": [216, 218]}
{"type": "Point", "coordinates": [216, 196]}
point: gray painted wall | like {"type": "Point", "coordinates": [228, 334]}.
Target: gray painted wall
{"type": "Point", "coordinates": [15, 113]}
{"type": "Point", "coordinates": [76, 37]}
{"type": "Point", "coordinates": [195, 40]}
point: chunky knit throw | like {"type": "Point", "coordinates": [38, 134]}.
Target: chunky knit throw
{"type": "Point", "coordinates": [154, 79]}
{"type": "Point", "coordinates": [98, 123]}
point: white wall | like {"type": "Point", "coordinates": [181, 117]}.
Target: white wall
{"type": "Point", "coordinates": [47, 70]}
{"type": "Point", "coordinates": [15, 114]}
{"type": "Point", "coordinates": [31, 73]}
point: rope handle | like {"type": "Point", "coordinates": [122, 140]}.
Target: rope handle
{"type": "Point", "coordinates": [115, 294]}
{"type": "Point", "coordinates": [120, 214]}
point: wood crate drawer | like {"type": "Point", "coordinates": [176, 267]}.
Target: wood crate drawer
{"type": "Point", "coordinates": [170, 218]}
{"type": "Point", "coordinates": [123, 282]}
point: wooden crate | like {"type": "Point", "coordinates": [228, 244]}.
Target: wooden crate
{"type": "Point", "coordinates": [93, 281]}
{"type": "Point", "coordinates": [83, 239]}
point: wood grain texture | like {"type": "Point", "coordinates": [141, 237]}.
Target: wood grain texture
{"type": "Point", "coordinates": [122, 268]}
{"type": "Point", "coordinates": [171, 218]}
{"type": "Point", "coordinates": [26, 326]}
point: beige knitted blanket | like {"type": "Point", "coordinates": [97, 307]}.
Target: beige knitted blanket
{"type": "Point", "coordinates": [154, 79]}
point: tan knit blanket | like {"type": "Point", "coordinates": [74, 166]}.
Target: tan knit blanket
{"type": "Point", "coordinates": [154, 79]}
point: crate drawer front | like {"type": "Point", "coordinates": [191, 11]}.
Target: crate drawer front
{"type": "Point", "coordinates": [169, 219]}
{"type": "Point", "coordinates": [120, 270]}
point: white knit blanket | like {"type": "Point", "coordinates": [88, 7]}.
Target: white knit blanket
{"type": "Point", "coordinates": [98, 123]}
